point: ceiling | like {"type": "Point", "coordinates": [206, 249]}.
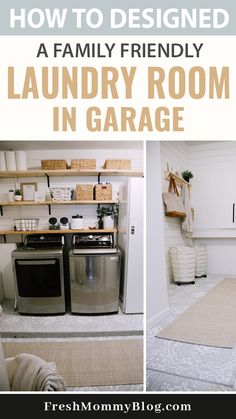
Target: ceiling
{"type": "Point", "coordinates": [65, 145]}
{"type": "Point", "coordinates": [194, 143]}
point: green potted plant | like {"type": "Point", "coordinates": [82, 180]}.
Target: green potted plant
{"type": "Point", "coordinates": [187, 175]}
{"type": "Point", "coordinates": [18, 195]}
{"type": "Point", "coordinates": [107, 216]}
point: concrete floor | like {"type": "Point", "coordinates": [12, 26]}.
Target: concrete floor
{"type": "Point", "coordinates": [14, 325]}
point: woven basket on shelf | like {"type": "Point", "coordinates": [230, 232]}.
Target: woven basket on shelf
{"type": "Point", "coordinates": [84, 192]}
{"type": "Point", "coordinates": [117, 164]}
{"type": "Point", "coordinates": [103, 192]}
{"type": "Point", "coordinates": [83, 164]}
{"type": "Point", "coordinates": [53, 164]}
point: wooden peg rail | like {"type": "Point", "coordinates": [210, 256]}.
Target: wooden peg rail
{"type": "Point", "coordinates": [179, 180]}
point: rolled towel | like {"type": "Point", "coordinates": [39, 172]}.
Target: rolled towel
{"type": "Point", "coordinates": [10, 160]}
{"type": "Point", "coordinates": [2, 161]}
{"type": "Point", "coordinates": [27, 372]}
{"type": "Point", "coordinates": [21, 160]}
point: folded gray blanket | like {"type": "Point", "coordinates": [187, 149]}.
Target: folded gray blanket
{"type": "Point", "coordinates": [34, 374]}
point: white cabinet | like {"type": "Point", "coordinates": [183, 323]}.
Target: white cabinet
{"type": "Point", "coordinates": [214, 195]}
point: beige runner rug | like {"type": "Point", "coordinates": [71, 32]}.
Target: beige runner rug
{"type": "Point", "coordinates": [210, 321]}
{"type": "Point", "coordinates": [89, 363]}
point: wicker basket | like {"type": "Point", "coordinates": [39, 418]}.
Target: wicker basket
{"type": "Point", "coordinates": [83, 164]}
{"type": "Point", "coordinates": [53, 164]}
{"type": "Point", "coordinates": [103, 192]}
{"type": "Point", "coordinates": [117, 164]}
{"type": "Point", "coordinates": [84, 192]}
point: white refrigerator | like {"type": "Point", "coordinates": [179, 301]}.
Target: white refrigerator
{"type": "Point", "coordinates": [130, 242]}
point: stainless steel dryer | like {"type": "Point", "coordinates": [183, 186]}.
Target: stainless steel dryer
{"type": "Point", "coordinates": [38, 275]}
{"type": "Point", "coordinates": [94, 274]}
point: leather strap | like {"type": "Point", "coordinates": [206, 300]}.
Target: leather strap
{"type": "Point", "coordinates": [172, 186]}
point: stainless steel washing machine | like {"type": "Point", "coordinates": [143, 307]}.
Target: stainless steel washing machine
{"type": "Point", "coordinates": [94, 274]}
{"type": "Point", "coordinates": [38, 275]}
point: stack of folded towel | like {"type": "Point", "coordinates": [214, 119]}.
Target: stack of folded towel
{"type": "Point", "coordinates": [27, 372]}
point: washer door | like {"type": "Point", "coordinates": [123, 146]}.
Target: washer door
{"type": "Point", "coordinates": [94, 283]}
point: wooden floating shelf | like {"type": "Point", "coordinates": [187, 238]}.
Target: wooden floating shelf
{"type": "Point", "coordinates": [12, 232]}
{"type": "Point", "coordinates": [74, 202]}
{"type": "Point", "coordinates": [69, 172]}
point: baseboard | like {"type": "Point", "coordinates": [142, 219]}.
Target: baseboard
{"type": "Point", "coordinates": [155, 319]}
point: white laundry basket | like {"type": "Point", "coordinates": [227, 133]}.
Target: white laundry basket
{"type": "Point", "coordinates": [201, 261]}
{"type": "Point", "coordinates": [183, 264]}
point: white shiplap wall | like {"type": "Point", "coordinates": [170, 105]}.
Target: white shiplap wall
{"type": "Point", "coordinates": [34, 158]}
{"type": "Point", "coordinates": [175, 153]}
{"type": "Point", "coordinates": [210, 151]}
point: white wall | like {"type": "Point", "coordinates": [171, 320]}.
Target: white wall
{"type": "Point", "coordinates": [221, 255]}
{"type": "Point", "coordinates": [156, 282]}
{"type": "Point", "coordinates": [175, 154]}
{"type": "Point", "coordinates": [100, 151]}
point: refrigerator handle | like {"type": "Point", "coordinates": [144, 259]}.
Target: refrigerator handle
{"type": "Point", "coordinates": [132, 229]}
{"type": "Point", "coordinates": [233, 212]}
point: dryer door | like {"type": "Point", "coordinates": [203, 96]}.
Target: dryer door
{"type": "Point", "coordinates": [38, 277]}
